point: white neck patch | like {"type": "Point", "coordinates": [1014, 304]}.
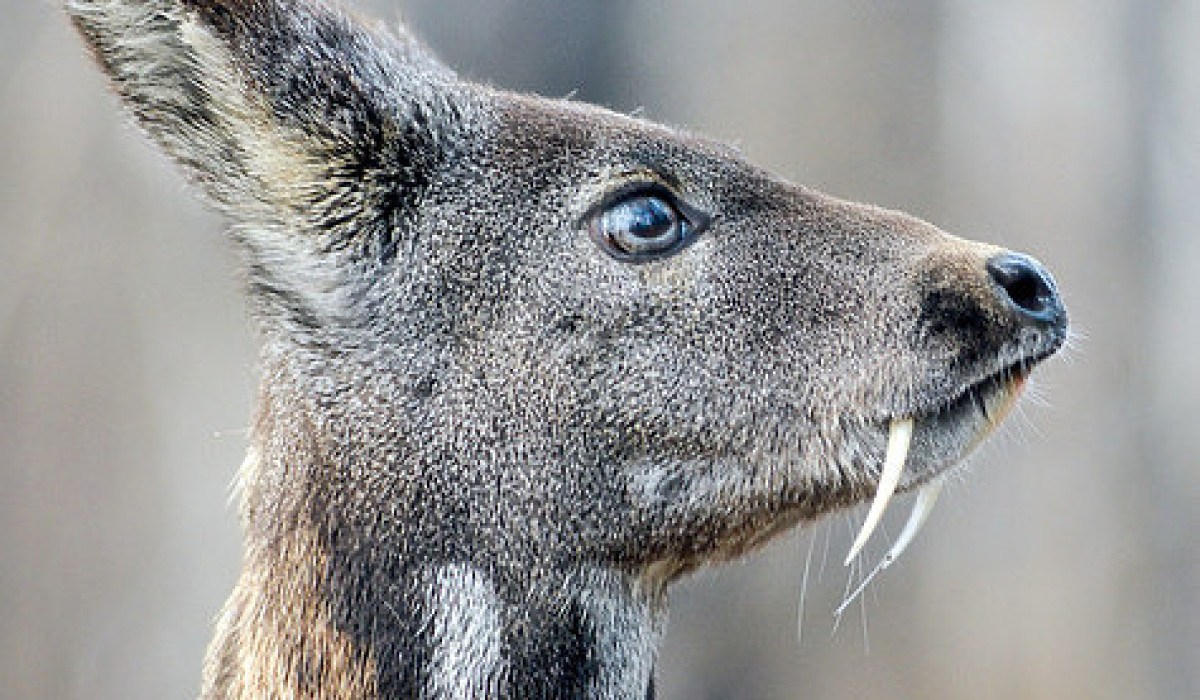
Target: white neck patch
{"type": "Point", "coordinates": [465, 612]}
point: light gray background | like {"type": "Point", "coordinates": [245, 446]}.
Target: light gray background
{"type": "Point", "coordinates": [1065, 566]}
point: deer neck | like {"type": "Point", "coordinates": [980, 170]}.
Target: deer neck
{"type": "Point", "coordinates": [335, 625]}
{"type": "Point", "coordinates": [581, 634]}
{"type": "Point", "coordinates": [338, 599]}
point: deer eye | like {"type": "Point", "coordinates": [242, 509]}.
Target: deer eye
{"type": "Point", "coordinates": [645, 225]}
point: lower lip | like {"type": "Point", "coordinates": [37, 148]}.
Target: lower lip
{"type": "Point", "coordinates": [1012, 391]}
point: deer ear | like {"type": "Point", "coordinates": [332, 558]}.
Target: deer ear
{"type": "Point", "coordinates": [271, 104]}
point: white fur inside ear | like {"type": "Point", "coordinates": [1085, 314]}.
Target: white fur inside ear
{"type": "Point", "coordinates": [194, 34]}
{"type": "Point", "coordinates": [215, 65]}
{"type": "Point", "coordinates": [246, 119]}
{"type": "Point", "coordinates": [247, 122]}
{"type": "Point", "coordinates": [278, 160]}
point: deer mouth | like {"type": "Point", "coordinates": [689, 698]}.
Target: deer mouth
{"type": "Point", "coordinates": [932, 441]}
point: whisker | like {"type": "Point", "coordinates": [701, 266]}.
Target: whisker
{"type": "Point", "coordinates": [824, 554]}
{"type": "Point", "coordinates": [1028, 425]}
{"type": "Point", "coordinates": [812, 543]}
{"type": "Point", "coordinates": [851, 572]}
{"type": "Point", "coordinates": [862, 601]}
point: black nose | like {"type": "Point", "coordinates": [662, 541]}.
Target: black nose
{"type": "Point", "coordinates": [1028, 288]}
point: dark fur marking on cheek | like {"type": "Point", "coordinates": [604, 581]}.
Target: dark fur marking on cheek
{"type": "Point", "coordinates": [948, 312]}
{"type": "Point", "coordinates": [955, 319]}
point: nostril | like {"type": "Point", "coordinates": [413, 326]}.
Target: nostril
{"type": "Point", "coordinates": [1028, 292]}
{"type": "Point", "coordinates": [1027, 286]}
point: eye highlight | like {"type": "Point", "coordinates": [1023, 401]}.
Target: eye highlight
{"type": "Point", "coordinates": [645, 223]}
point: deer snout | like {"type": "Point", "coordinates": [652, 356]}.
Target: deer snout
{"type": "Point", "coordinates": [1026, 286]}
{"type": "Point", "coordinates": [988, 308]}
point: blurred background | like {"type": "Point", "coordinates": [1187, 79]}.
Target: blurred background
{"type": "Point", "coordinates": [1064, 566]}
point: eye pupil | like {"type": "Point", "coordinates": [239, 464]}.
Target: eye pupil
{"type": "Point", "coordinates": [643, 226]}
{"type": "Point", "coordinates": [644, 217]}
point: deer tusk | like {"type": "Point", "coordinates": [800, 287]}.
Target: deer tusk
{"type": "Point", "coordinates": [926, 498]}
{"type": "Point", "coordinates": [899, 437]}
{"type": "Point", "coordinates": [922, 507]}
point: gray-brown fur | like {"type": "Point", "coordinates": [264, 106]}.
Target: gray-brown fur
{"type": "Point", "coordinates": [465, 398]}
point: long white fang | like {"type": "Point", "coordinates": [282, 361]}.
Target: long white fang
{"type": "Point", "coordinates": [899, 437]}
{"type": "Point", "coordinates": [926, 498]}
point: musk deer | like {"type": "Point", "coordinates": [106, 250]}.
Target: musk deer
{"type": "Point", "coordinates": [526, 362]}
